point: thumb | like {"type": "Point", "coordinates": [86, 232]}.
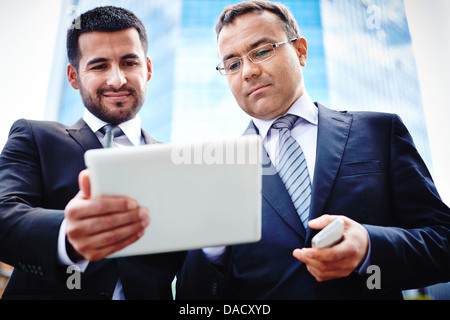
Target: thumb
{"type": "Point", "coordinates": [84, 183]}
{"type": "Point", "coordinates": [322, 221]}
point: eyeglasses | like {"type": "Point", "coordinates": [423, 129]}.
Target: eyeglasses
{"type": "Point", "coordinates": [257, 55]}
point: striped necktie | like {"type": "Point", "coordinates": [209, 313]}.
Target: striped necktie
{"type": "Point", "coordinates": [110, 133]}
{"type": "Point", "coordinates": [292, 168]}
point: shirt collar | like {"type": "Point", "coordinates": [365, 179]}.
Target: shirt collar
{"type": "Point", "coordinates": [304, 108]}
{"type": "Point", "coordinates": [131, 128]}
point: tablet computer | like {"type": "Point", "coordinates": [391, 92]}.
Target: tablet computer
{"type": "Point", "coordinates": [198, 194]}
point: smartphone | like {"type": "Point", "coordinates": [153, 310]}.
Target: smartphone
{"type": "Point", "coordinates": [330, 235]}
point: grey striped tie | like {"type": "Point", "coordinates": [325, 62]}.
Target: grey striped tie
{"type": "Point", "coordinates": [110, 133]}
{"type": "Point", "coordinates": [292, 168]}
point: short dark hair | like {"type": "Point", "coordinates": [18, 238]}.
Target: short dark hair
{"type": "Point", "coordinates": [231, 12]}
{"type": "Point", "coordinates": [105, 19]}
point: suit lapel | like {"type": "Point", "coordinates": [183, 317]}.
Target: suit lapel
{"type": "Point", "coordinates": [81, 132]}
{"type": "Point", "coordinates": [333, 132]}
{"type": "Point", "coordinates": [147, 138]}
{"type": "Point", "coordinates": [275, 193]}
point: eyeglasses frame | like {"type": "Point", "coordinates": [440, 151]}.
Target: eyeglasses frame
{"type": "Point", "coordinates": [274, 45]}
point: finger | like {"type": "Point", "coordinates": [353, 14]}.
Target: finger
{"type": "Point", "coordinates": [311, 264]}
{"type": "Point", "coordinates": [98, 224]}
{"type": "Point", "coordinates": [100, 253]}
{"type": "Point", "coordinates": [297, 254]}
{"type": "Point", "coordinates": [324, 270]}
{"type": "Point", "coordinates": [322, 221]}
{"type": "Point", "coordinates": [103, 244]}
{"type": "Point", "coordinates": [104, 252]}
{"type": "Point", "coordinates": [325, 264]}
{"type": "Point", "coordinates": [79, 209]}
{"type": "Point", "coordinates": [335, 253]}
{"type": "Point", "coordinates": [325, 275]}
{"type": "Point", "coordinates": [84, 183]}
{"type": "Point", "coordinates": [111, 222]}
{"type": "Point", "coordinates": [327, 271]}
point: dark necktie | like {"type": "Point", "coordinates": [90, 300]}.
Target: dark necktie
{"type": "Point", "coordinates": [292, 167]}
{"type": "Point", "coordinates": [110, 133]}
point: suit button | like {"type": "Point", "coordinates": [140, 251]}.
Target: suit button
{"type": "Point", "coordinates": [214, 287]}
{"type": "Point", "coordinates": [26, 268]}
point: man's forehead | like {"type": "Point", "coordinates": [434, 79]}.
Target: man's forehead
{"type": "Point", "coordinates": [95, 38]}
{"type": "Point", "coordinates": [249, 30]}
{"type": "Point", "coordinates": [108, 42]}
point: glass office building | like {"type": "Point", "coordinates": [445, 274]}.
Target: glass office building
{"type": "Point", "coordinates": [359, 57]}
{"type": "Point", "coordinates": [370, 62]}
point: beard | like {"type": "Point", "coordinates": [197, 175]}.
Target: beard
{"type": "Point", "coordinates": [113, 113]}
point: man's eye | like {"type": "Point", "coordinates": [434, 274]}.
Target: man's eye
{"type": "Point", "coordinates": [130, 63]}
{"type": "Point", "coordinates": [233, 65]}
{"type": "Point", "coordinates": [99, 67]}
{"type": "Point", "coordinates": [263, 53]}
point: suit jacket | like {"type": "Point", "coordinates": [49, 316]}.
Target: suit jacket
{"type": "Point", "coordinates": [39, 169]}
{"type": "Point", "coordinates": [368, 169]}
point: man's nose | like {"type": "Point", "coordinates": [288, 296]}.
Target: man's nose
{"type": "Point", "coordinates": [116, 78]}
{"type": "Point", "coordinates": [250, 69]}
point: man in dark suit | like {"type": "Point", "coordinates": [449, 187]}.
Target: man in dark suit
{"type": "Point", "coordinates": [50, 228]}
{"type": "Point", "coordinates": [360, 166]}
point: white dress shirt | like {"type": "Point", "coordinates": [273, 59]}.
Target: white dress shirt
{"type": "Point", "coordinates": [132, 137]}
{"type": "Point", "coordinates": [304, 131]}
{"type": "Point", "coordinates": [131, 129]}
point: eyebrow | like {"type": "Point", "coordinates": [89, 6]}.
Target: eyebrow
{"type": "Point", "coordinates": [252, 46]}
{"type": "Point", "coordinates": [95, 60]}
{"type": "Point", "coordinates": [130, 56]}
{"type": "Point", "coordinates": [101, 59]}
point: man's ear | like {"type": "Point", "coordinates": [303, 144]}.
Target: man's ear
{"type": "Point", "coordinates": [302, 50]}
{"type": "Point", "coordinates": [149, 69]}
{"type": "Point", "coordinates": [72, 76]}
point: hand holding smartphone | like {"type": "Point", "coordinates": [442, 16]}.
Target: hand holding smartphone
{"type": "Point", "coordinates": [330, 235]}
